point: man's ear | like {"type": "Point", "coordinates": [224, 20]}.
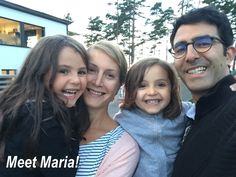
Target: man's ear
{"type": "Point", "coordinates": [230, 54]}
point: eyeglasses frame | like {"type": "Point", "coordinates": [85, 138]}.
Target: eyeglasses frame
{"type": "Point", "coordinates": [193, 41]}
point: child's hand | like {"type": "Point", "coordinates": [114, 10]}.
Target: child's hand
{"type": "Point", "coordinates": [233, 86]}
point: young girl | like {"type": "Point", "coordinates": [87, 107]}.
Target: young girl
{"type": "Point", "coordinates": [40, 126]}
{"type": "Point", "coordinates": [153, 115]}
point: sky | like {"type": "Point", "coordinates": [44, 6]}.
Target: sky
{"type": "Point", "coordinates": [80, 10]}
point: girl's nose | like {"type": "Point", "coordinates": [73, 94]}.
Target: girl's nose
{"type": "Point", "coordinates": [152, 91]}
{"type": "Point", "coordinates": [75, 78]}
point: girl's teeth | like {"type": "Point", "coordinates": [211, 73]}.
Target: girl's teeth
{"type": "Point", "coordinates": [69, 92]}
{"type": "Point", "coordinates": [152, 101]}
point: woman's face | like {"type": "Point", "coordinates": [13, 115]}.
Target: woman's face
{"type": "Point", "coordinates": [71, 77]}
{"type": "Point", "coordinates": [102, 81]}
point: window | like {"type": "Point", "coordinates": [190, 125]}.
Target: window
{"type": "Point", "coordinates": [32, 34]}
{"type": "Point", "coordinates": [9, 32]}
{"type": "Point", "coordinates": [8, 71]}
{"type": "Point", "coordinates": [19, 33]}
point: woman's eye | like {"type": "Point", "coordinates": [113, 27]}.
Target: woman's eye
{"type": "Point", "coordinates": [91, 70]}
{"type": "Point", "coordinates": [110, 76]}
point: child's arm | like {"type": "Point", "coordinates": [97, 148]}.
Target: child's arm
{"type": "Point", "coordinates": [121, 160]}
{"type": "Point", "coordinates": [188, 109]}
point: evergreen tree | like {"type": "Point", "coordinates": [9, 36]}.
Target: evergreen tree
{"type": "Point", "coordinates": [160, 21]}
{"type": "Point", "coordinates": [122, 25]}
{"type": "Point", "coordinates": [68, 17]}
{"type": "Point", "coordinates": [228, 7]}
{"type": "Point", "coordinates": [96, 27]}
{"type": "Point", "coordinates": [185, 6]}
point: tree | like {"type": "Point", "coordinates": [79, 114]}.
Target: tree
{"type": "Point", "coordinates": [96, 28]}
{"type": "Point", "coordinates": [123, 25]}
{"type": "Point", "coordinates": [159, 24]}
{"type": "Point", "coordinates": [68, 17]}
{"type": "Point", "coordinates": [228, 7]}
{"type": "Point", "coordinates": [185, 6]}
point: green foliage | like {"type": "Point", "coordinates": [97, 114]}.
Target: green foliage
{"type": "Point", "coordinates": [228, 7]}
{"type": "Point", "coordinates": [68, 17]}
{"type": "Point", "coordinates": [159, 24]}
{"type": "Point", "coordinates": [96, 27]}
{"type": "Point", "coordinates": [185, 6]}
{"type": "Point", "coordinates": [121, 26]}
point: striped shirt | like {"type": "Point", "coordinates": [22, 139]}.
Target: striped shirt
{"type": "Point", "coordinates": [92, 154]}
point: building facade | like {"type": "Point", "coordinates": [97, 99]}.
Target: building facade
{"type": "Point", "coordinates": [20, 29]}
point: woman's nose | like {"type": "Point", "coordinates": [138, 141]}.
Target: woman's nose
{"type": "Point", "coordinates": [97, 79]}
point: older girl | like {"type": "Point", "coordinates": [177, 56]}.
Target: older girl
{"type": "Point", "coordinates": [42, 121]}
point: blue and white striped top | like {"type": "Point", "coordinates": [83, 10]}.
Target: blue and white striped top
{"type": "Point", "coordinates": [92, 154]}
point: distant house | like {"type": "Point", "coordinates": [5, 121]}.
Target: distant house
{"type": "Point", "coordinates": [20, 29]}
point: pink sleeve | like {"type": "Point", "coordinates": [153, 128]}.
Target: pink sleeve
{"type": "Point", "coordinates": [121, 160]}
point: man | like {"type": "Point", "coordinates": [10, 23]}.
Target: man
{"type": "Point", "coordinates": [202, 47]}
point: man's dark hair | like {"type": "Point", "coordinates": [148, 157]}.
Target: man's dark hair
{"type": "Point", "coordinates": [209, 15]}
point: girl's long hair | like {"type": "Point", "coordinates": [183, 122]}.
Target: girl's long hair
{"type": "Point", "coordinates": [30, 85]}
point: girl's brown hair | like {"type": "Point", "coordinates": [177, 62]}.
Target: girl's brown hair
{"type": "Point", "coordinates": [134, 78]}
{"type": "Point", "coordinates": [30, 85]}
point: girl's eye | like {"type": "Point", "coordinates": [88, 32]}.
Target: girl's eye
{"type": "Point", "coordinates": [63, 71]}
{"type": "Point", "coordinates": [142, 85]}
{"type": "Point", "coordinates": [82, 72]}
{"type": "Point", "coordinates": [162, 84]}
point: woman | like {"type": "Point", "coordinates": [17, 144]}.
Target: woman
{"type": "Point", "coordinates": [107, 150]}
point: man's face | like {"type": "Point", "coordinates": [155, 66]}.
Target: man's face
{"type": "Point", "coordinates": [200, 71]}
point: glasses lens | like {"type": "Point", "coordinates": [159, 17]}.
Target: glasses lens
{"type": "Point", "coordinates": [179, 50]}
{"type": "Point", "coordinates": [202, 44]}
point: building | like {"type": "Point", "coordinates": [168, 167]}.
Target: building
{"type": "Point", "coordinates": [20, 29]}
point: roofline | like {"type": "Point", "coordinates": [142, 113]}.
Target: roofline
{"type": "Point", "coordinates": [34, 12]}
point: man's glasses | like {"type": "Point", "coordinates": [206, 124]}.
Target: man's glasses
{"type": "Point", "coordinates": [201, 44]}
